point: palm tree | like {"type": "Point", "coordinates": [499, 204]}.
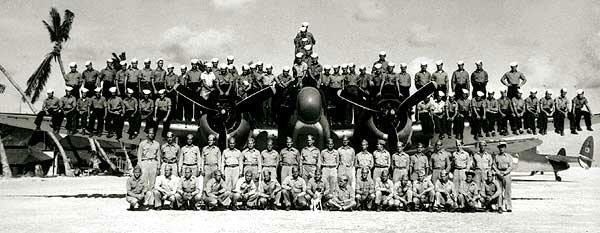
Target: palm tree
{"type": "Point", "coordinates": [59, 34]}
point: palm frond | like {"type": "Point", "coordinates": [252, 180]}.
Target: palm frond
{"type": "Point", "coordinates": [65, 28]}
{"type": "Point", "coordinates": [37, 81]}
{"type": "Point", "coordinates": [55, 18]}
{"type": "Point", "coordinates": [50, 29]}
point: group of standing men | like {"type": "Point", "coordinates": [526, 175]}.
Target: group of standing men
{"type": "Point", "coordinates": [311, 178]}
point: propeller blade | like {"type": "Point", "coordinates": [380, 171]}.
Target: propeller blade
{"type": "Point", "coordinates": [187, 94]}
{"type": "Point", "coordinates": [259, 96]}
{"type": "Point", "coordinates": [339, 93]}
{"type": "Point", "coordinates": [419, 96]}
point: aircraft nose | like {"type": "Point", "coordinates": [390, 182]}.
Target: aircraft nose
{"type": "Point", "coordinates": [309, 105]}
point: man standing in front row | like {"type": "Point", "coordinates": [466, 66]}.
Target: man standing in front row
{"type": "Point", "coordinates": [148, 157]}
{"type": "Point", "coordinates": [503, 167]}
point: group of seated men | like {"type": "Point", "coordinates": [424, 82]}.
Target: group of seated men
{"type": "Point", "coordinates": [311, 178]}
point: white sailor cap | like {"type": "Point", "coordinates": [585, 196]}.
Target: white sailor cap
{"type": "Point", "coordinates": [362, 67]}
{"type": "Point", "coordinates": [253, 66]}
{"type": "Point", "coordinates": [327, 67]}
{"type": "Point", "coordinates": [403, 64]}
{"type": "Point", "coordinates": [259, 63]}
{"type": "Point", "coordinates": [299, 55]}
{"type": "Point", "coordinates": [465, 91]}
{"type": "Point", "coordinates": [194, 61]}
{"type": "Point", "coordinates": [161, 91]}
{"type": "Point", "coordinates": [344, 66]}
{"type": "Point", "coordinates": [378, 66]}
{"type": "Point", "coordinates": [520, 91]}
{"type": "Point", "coordinates": [68, 88]}
{"type": "Point", "coordinates": [223, 66]}
{"type": "Point", "coordinates": [351, 64]}
{"type": "Point", "coordinates": [123, 63]}
{"type": "Point", "coordinates": [391, 64]}
{"type": "Point", "coordinates": [314, 55]}
{"type": "Point", "coordinates": [441, 93]}
{"type": "Point", "coordinates": [382, 53]}
{"type": "Point", "coordinates": [230, 57]}
{"type": "Point", "coordinates": [170, 134]}
{"type": "Point", "coordinates": [112, 89]}
{"type": "Point", "coordinates": [207, 64]}
{"type": "Point", "coordinates": [160, 59]}
{"type": "Point", "coordinates": [490, 92]}
{"type": "Point", "coordinates": [423, 63]}
{"type": "Point", "coordinates": [439, 62]}
{"type": "Point", "coordinates": [183, 67]}
{"type": "Point", "coordinates": [135, 60]}
{"type": "Point", "coordinates": [84, 90]}
{"type": "Point", "coordinates": [460, 62]}
{"type": "Point", "coordinates": [305, 24]}
{"type": "Point", "coordinates": [480, 93]}
{"type": "Point", "coordinates": [548, 91]}
{"type": "Point", "coordinates": [146, 92]}
{"type": "Point", "coordinates": [302, 29]}
{"type": "Point", "coordinates": [450, 94]}
{"type": "Point", "coordinates": [308, 47]}
{"type": "Point", "coordinates": [129, 90]}
{"type": "Point", "coordinates": [147, 60]}
{"type": "Point", "coordinates": [98, 89]}
{"type": "Point", "coordinates": [336, 66]}
{"type": "Point", "coordinates": [73, 64]}
{"type": "Point", "coordinates": [579, 91]}
{"type": "Point", "coordinates": [109, 60]}
{"type": "Point", "coordinates": [269, 66]}
{"type": "Point", "coordinates": [533, 91]}
{"type": "Point", "coordinates": [245, 67]}
{"type": "Point", "coordinates": [478, 62]}
{"type": "Point", "coordinates": [514, 63]}
{"type": "Point", "coordinates": [214, 60]}
{"type": "Point", "coordinates": [170, 66]}
{"type": "Point", "coordinates": [88, 63]}
{"type": "Point", "coordinates": [563, 90]}
{"type": "Point", "coordinates": [230, 67]}
{"type": "Point", "coordinates": [286, 68]}
{"type": "Point", "coordinates": [304, 39]}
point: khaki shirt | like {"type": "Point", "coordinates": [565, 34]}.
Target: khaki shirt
{"type": "Point", "coordinates": [232, 157]}
{"type": "Point", "coordinates": [419, 162]}
{"type": "Point", "coordinates": [365, 187]}
{"type": "Point", "coordinates": [90, 76]}
{"type": "Point", "coordinates": [401, 160]}
{"type": "Point", "coordinates": [108, 75]}
{"type": "Point", "coordinates": [347, 156]}
{"type": "Point", "coordinates": [344, 193]}
{"type": "Point", "coordinates": [136, 186]}
{"type": "Point", "coordinates": [460, 159]}
{"type": "Point", "coordinates": [482, 160]}
{"type": "Point", "coordinates": [460, 77]}
{"type": "Point", "coordinates": [83, 104]}
{"type": "Point", "coordinates": [171, 79]}
{"type": "Point", "coordinates": [194, 76]}
{"type": "Point", "coordinates": [251, 156]}
{"type": "Point", "coordinates": [364, 159]}
{"type": "Point", "coordinates": [98, 102]}
{"type": "Point", "coordinates": [269, 188]}
{"type": "Point", "coordinates": [381, 158]}
{"type": "Point", "coordinates": [447, 187]}
{"type": "Point", "coordinates": [492, 105]}
{"type": "Point", "coordinates": [562, 104]}
{"type": "Point", "coordinates": [289, 156]}
{"type": "Point", "coordinates": [503, 161]}
{"type": "Point", "coordinates": [464, 106]}
{"type": "Point", "coordinates": [440, 77]}
{"type": "Point", "coordinates": [130, 103]}
{"type": "Point", "coordinates": [469, 189]}
{"type": "Point", "coordinates": [519, 104]}
{"type": "Point", "coordinates": [190, 155]}
{"type": "Point", "coordinates": [297, 185]}
{"type": "Point", "coordinates": [68, 103]}
{"type": "Point", "coordinates": [579, 103]}
{"type": "Point", "coordinates": [244, 187]}
{"type": "Point", "coordinates": [269, 158]}
{"type": "Point", "coordinates": [386, 188]}
{"type": "Point", "coordinates": [170, 152]}
{"type": "Point", "coordinates": [309, 155]}
{"type": "Point", "coordinates": [479, 76]}
{"type": "Point", "coordinates": [133, 75]}
{"type": "Point", "coordinates": [513, 78]}
{"type": "Point", "coordinates": [329, 158]}
{"type": "Point", "coordinates": [419, 187]}
{"type": "Point", "coordinates": [402, 189]}
{"type": "Point", "coordinates": [404, 79]}
{"type": "Point", "coordinates": [422, 78]}
{"type": "Point", "coordinates": [146, 106]}
{"type": "Point", "coordinates": [314, 186]}
{"type": "Point", "coordinates": [440, 159]}
{"type": "Point", "coordinates": [149, 150]}
{"type": "Point", "coordinates": [215, 187]}
{"type": "Point", "coordinates": [531, 104]}
{"type": "Point", "coordinates": [115, 104]}
{"type": "Point", "coordinates": [159, 75]}
{"type": "Point", "coordinates": [146, 75]}
{"type": "Point", "coordinates": [190, 185]}
{"type": "Point", "coordinates": [211, 155]}
{"type": "Point", "coordinates": [122, 76]}
{"type": "Point", "coordinates": [504, 104]}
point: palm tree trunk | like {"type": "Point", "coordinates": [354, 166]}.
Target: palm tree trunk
{"type": "Point", "coordinates": [12, 81]}
{"type": "Point", "coordinates": [62, 68]}
{"type": "Point", "coordinates": [102, 153]}
{"type": "Point", "coordinates": [5, 167]}
{"type": "Point", "coordinates": [61, 150]}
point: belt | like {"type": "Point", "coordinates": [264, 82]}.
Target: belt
{"type": "Point", "coordinates": [170, 162]}
{"type": "Point", "coordinates": [232, 165]}
{"type": "Point", "coordinates": [149, 159]}
{"type": "Point", "coordinates": [330, 166]}
{"type": "Point", "coordinates": [503, 169]}
{"type": "Point", "coordinates": [269, 165]}
{"type": "Point", "coordinates": [380, 166]}
{"type": "Point", "coordinates": [190, 164]}
{"type": "Point", "coordinates": [289, 165]}
{"type": "Point", "coordinates": [254, 165]}
{"type": "Point", "coordinates": [309, 164]}
{"type": "Point", "coordinates": [211, 164]}
{"type": "Point", "coordinates": [438, 168]}
{"type": "Point", "coordinates": [482, 169]}
{"type": "Point", "coordinates": [401, 168]}
{"type": "Point", "coordinates": [458, 168]}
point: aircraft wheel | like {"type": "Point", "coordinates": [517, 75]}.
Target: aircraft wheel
{"type": "Point", "coordinates": [558, 178]}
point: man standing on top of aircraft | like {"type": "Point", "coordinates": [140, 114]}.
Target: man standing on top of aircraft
{"type": "Point", "coordinates": [513, 80]}
{"type": "Point", "coordinates": [581, 109]}
{"type": "Point", "coordinates": [547, 106]}
{"type": "Point", "coordinates": [460, 78]}
{"type": "Point", "coordinates": [479, 78]}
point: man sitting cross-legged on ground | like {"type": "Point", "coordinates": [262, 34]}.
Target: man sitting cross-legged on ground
{"type": "Point", "coordinates": [343, 196]}
{"type": "Point", "coordinates": [189, 192]}
{"type": "Point", "coordinates": [165, 189]}
{"type": "Point", "coordinates": [244, 194]}
{"type": "Point", "coordinates": [137, 194]}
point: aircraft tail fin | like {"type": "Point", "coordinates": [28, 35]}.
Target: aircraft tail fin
{"type": "Point", "coordinates": [586, 154]}
{"type": "Point", "coordinates": [562, 152]}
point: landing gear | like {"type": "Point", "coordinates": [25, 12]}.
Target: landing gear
{"type": "Point", "coordinates": [557, 177]}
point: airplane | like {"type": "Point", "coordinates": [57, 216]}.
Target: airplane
{"type": "Point", "coordinates": [527, 159]}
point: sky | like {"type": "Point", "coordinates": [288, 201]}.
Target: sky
{"type": "Point", "coordinates": [557, 43]}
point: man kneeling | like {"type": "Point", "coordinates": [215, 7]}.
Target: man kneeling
{"type": "Point", "coordinates": [165, 189]}
{"type": "Point", "coordinates": [365, 190]}
{"type": "Point", "coordinates": [491, 193]}
{"type": "Point", "coordinates": [244, 194]}
{"type": "Point", "coordinates": [445, 195]}
{"type": "Point", "coordinates": [190, 190]}
{"type": "Point", "coordinates": [294, 191]}
{"type": "Point", "coordinates": [269, 192]}
{"type": "Point", "coordinates": [423, 194]}
{"type": "Point", "coordinates": [403, 195]}
{"type": "Point", "coordinates": [318, 191]}
{"type": "Point", "coordinates": [216, 191]}
{"type": "Point", "coordinates": [384, 192]}
{"type": "Point", "coordinates": [468, 194]}
{"type": "Point", "coordinates": [137, 194]}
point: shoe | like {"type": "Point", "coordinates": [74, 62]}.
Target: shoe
{"type": "Point", "coordinates": [574, 132]}
{"type": "Point", "coordinates": [562, 133]}
{"type": "Point", "coordinates": [509, 210]}
{"type": "Point", "coordinates": [487, 135]}
{"type": "Point", "coordinates": [590, 129]}
{"type": "Point", "coordinates": [579, 129]}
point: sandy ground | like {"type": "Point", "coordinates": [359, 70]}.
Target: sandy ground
{"type": "Point", "coordinates": [96, 204]}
